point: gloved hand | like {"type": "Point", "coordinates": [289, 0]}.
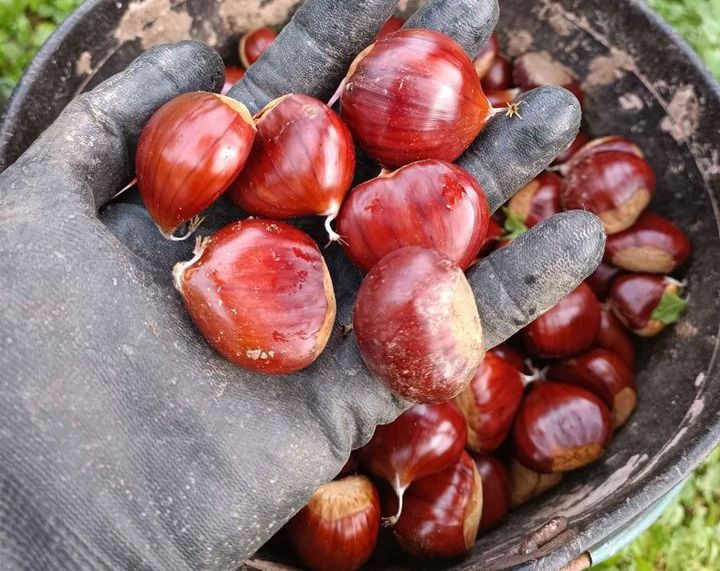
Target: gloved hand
{"type": "Point", "coordinates": [126, 441]}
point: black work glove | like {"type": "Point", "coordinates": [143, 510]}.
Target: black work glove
{"type": "Point", "coordinates": [126, 441]}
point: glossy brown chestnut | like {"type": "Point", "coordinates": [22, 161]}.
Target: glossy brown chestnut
{"type": "Point", "coordinates": [485, 59]}
{"type": "Point", "coordinates": [338, 529]}
{"type": "Point", "coordinates": [560, 427]}
{"type": "Point", "coordinates": [189, 152]}
{"type": "Point", "coordinates": [646, 303]}
{"type": "Point", "coordinates": [605, 375]}
{"type": "Point", "coordinates": [423, 440]}
{"type": "Point", "coordinates": [442, 512]}
{"type": "Point", "coordinates": [351, 466]}
{"type": "Point", "coordinates": [233, 74]}
{"type": "Point", "coordinates": [254, 43]}
{"type": "Point", "coordinates": [490, 402]}
{"type": "Point", "coordinates": [534, 69]}
{"type": "Point", "coordinates": [431, 203]}
{"type": "Point", "coordinates": [261, 295]}
{"type": "Point", "coordinates": [613, 336]}
{"type": "Point", "coordinates": [526, 484]}
{"type": "Point", "coordinates": [511, 355]}
{"type": "Point", "coordinates": [567, 329]}
{"type": "Point", "coordinates": [538, 200]}
{"type": "Point", "coordinates": [494, 233]}
{"type": "Point", "coordinates": [499, 76]}
{"type": "Point", "coordinates": [392, 24]}
{"type": "Point", "coordinates": [417, 325]}
{"type": "Point", "coordinates": [616, 186]}
{"type": "Point", "coordinates": [601, 280]}
{"type": "Point", "coordinates": [653, 245]}
{"type": "Point", "coordinates": [414, 95]}
{"type": "Point", "coordinates": [501, 99]}
{"type": "Point", "coordinates": [496, 489]}
{"type": "Point", "coordinates": [616, 143]}
{"type": "Point", "coordinates": [302, 162]}
{"type": "Point", "coordinates": [576, 145]}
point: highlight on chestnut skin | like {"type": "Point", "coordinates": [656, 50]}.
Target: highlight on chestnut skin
{"type": "Point", "coordinates": [442, 512]}
{"type": "Point", "coordinates": [560, 427]}
{"type": "Point", "coordinates": [490, 402]}
{"type": "Point", "coordinates": [653, 245]}
{"type": "Point", "coordinates": [496, 489]}
{"type": "Point", "coordinates": [430, 203]}
{"type": "Point", "coordinates": [338, 529]}
{"type": "Point", "coordinates": [417, 325]}
{"type": "Point", "coordinates": [189, 152]}
{"type": "Point", "coordinates": [567, 329]}
{"type": "Point", "coordinates": [261, 295]}
{"type": "Point", "coordinates": [411, 96]}
{"type": "Point", "coordinates": [254, 43]}
{"type": "Point", "coordinates": [302, 162]}
{"type": "Point", "coordinates": [616, 143]}
{"type": "Point", "coordinates": [427, 438]}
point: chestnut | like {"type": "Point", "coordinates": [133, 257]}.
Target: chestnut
{"type": "Point", "coordinates": [442, 512]}
{"type": "Point", "coordinates": [233, 74]}
{"type": "Point", "coordinates": [604, 374]}
{"type": "Point", "coordinates": [613, 336]}
{"type": "Point", "coordinates": [485, 59]}
{"type": "Point", "coordinates": [526, 484]}
{"type": "Point", "coordinates": [601, 280]}
{"type": "Point", "coordinates": [351, 466]}
{"type": "Point", "coordinates": [414, 95]}
{"type": "Point", "coordinates": [496, 489]}
{"type": "Point", "coordinates": [499, 76]}
{"type": "Point", "coordinates": [338, 529]}
{"type": "Point", "coordinates": [616, 143]}
{"type": "Point", "coordinates": [494, 233]}
{"type": "Point", "coordinates": [567, 329]}
{"type": "Point", "coordinates": [511, 355]}
{"type": "Point", "coordinates": [417, 325]}
{"type": "Point", "coordinates": [302, 162]}
{"type": "Point", "coordinates": [423, 440]}
{"type": "Point", "coordinates": [254, 43]}
{"type": "Point", "coordinates": [647, 303]}
{"type": "Point", "coordinates": [538, 200]}
{"type": "Point", "coordinates": [616, 186]}
{"type": "Point", "coordinates": [502, 98]}
{"type": "Point", "coordinates": [431, 203]}
{"type": "Point", "coordinates": [653, 245]}
{"type": "Point", "coordinates": [260, 293]}
{"type": "Point", "coordinates": [189, 152]}
{"type": "Point", "coordinates": [490, 403]}
{"type": "Point", "coordinates": [579, 142]}
{"type": "Point", "coordinates": [560, 427]}
{"type": "Point", "coordinates": [391, 25]}
{"type": "Point", "coordinates": [534, 69]}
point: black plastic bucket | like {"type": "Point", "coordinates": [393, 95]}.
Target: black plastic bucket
{"type": "Point", "coordinates": [642, 81]}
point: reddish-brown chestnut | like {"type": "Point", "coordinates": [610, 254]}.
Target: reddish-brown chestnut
{"type": "Point", "coordinates": [417, 325]}
{"type": "Point", "coordinates": [442, 512]}
{"type": "Point", "coordinates": [535, 69]}
{"type": "Point", "coordinates": [485, 59]}
{"type": "Point", "coordinates": [511, 355]}
{"type": "Point", "coordinates": [560, 427]}
{"type": "Point", "coordinates": [338, 529]}
{"type": "Point", "coordinates": [579, 142]}
{"type": "Point", "coordinates": [616, 186]}
{"type": "Point", "coordinates": [604, 374]}
{"type": "Point", "coordinates": [423, 440]}
{"type": "Point", "coordinates": [261, 294]}
{"type": "Point", "coordinates": [351, 466]}
{"type": "Point", "coordinates": [496, 489]}
{"type": "Point", "coordinates": [653, 245]}
{"type": "Point", "coordinates": [646, 303]}
{"type": "Point", "coordinates": [499, 76]}
{"type": "Point", "coordinates": [189, 152]}
{"type": "Point", "coordinates": [233, 74]}
{"type": "Point", "coordinates": [616, 143]}
{"type": "Point", "coordinates": [500, 99]}
{"type": "Point", "coordinates": [538, 200]}
{"type": "Point", "coordinates": [414, 95]}
{"type": "Point", "coordinates": [601, 280]}
{"type": "Point", "coordinates": [431, 203]}
{"type": "Point", "coordinates": [254, 43]}
{"type": "Point", "coordinates": [613, 336]}
{"type": "Point", "coordinates": [567, 329]}
{"type": "Point", "coordinates": [526, 484]}
{"type": "Point", "coordinates": [494, 233]}
{"type": "Point", "coordinates": [302, 162]}
{"type": "Point", "coordinates": [391, 25]}
{"type": "Point", "coordinates": [490, 403]}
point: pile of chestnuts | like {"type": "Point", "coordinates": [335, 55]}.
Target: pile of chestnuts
{"type": "Point", "coordinates": [487, 432]}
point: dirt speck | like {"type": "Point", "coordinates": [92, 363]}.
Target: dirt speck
{"type": "Point", "coordinates": [631, 102]}
{"type": "Point", "coordinates": [683, 114]}
{"type": "Point", "coordinates": [83, 65]}
{"type": "Point", "coordinates": [155, 22]}
{"type": "Point", "coordinates": [607, 69]}
{"type": "Point", "coordinates": [555, 16]}
{"type": "Point", "coordinates": [520, 41]}
{"type": "Point", "coordinates": [686, 330]}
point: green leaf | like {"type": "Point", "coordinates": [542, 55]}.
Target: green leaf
{"type": "Point", "coordinates": [514, 225]}
{"type": "Point", "coordinates": [670, 308]}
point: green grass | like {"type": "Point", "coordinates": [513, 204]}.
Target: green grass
{"type": "Point", "coordinates": [687, 536]}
